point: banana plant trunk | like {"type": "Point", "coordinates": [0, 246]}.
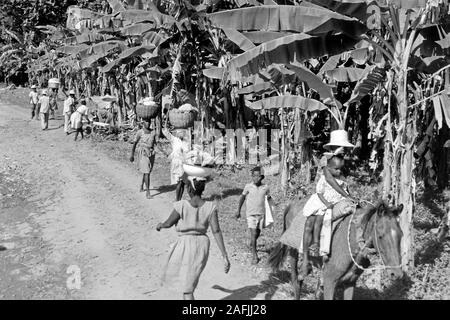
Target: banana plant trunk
{"type": "Point", "coordinates": [401, 154]}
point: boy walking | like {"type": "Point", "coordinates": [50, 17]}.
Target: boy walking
{"type": "Point", "coordinates": [254, 195]}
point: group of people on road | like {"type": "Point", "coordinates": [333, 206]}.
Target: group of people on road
{"type": "Point", "coordinates": [188, 256]}
{"type": "Point", "coordinates": [43, 107]}
{"type": "Point", "coordinates": [192, 217]}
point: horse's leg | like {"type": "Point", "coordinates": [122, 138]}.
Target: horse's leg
{"type": "Point", "coordinates": [329, 287]}
{"type": "Point", "coordinates": [293, 261]}
{"type": "Point", "coordinates": [330, 280]}
{"type": "Point", "coordinates": [348, 291]}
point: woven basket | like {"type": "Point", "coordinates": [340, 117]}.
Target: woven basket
{"type": "Point", "coordinates": [147, 112]}
{"type": "Point", "coordinates": [53, 83]}
{"type": "Point", "coordinates": [181, 120]}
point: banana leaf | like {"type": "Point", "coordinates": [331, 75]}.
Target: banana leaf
{"type": "Point", "coordinates": [294, 48]}
{"type": "Point", "coordinates": [116, 5]}
{"type": "Point", "coordinates": [306, 104]}
{"type": "Point", "coordinates": [371, 78]}
{"type": "Point", "coordinates": [301, 18]}
{"type": "Point", "coordinates": [241, 3]}
{"type": "Point", "coordinates": [429, 65]}
{"type": "Point", "coordinates": [136, 16]}
{"type": "Point", "coordinates": [239, 39]}
{"type": "Point", "coordinates": [72, 49]}
{"type": "Point", "coordinates": [76, 14]}
{"type": "Point", "coordinates": [351, 8]}
{"type": "Point", "coordinates": [128, 55]}
{"type": "Point", "coordinates": [346, 74]}
{"type": "Point", "coordinates": [257, 89]}
{"type": "Point", "coordinates": [258, 37]}
{"type": "Point", "coordinates": [153, 38]}
{"type": "Point", "coordinates": [137, 29]}
{"type": "Point", "coordinates": [214, 73]}
{"type": "Point", "coordinates": [330, 64]}
{"type": "Point", "coordinates": [102, 48]}
{"type": "Point", "coordinates": [313, 81]}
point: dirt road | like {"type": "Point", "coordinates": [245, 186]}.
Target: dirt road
{"type": "Point", "coordinates": [65, 205]}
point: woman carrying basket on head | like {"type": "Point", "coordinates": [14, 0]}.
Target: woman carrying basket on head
{"type": "Point", "coordinates": [189, 255]}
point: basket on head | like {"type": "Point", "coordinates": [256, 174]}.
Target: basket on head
{"type": "Point", "coordinates": [197, 171]}
{"type": "Point", "coordinates": [147, 109]}
{"type": "Point", "coordinates": [53, 83]}
{"type": "Point", "coordinates": [181, 119]}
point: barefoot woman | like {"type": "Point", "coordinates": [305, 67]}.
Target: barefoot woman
{"type": "Point", "coordinates": [189, 255]}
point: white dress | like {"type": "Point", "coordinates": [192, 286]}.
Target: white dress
{"type": "Point", "coordinates": [77, 116]}
{"type": "Point", "coordinates": [179, 150]}
{"type": "Point", "coordinates": [315, 206]}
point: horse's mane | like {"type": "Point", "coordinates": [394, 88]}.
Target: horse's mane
{"type": "Point", "coordinates": [370, 210]}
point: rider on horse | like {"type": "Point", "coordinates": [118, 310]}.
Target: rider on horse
{"type": "Point", "coordinates": [331, 192]}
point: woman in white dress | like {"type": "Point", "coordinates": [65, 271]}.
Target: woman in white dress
{"type": "Point", "coordinates": [76, 119]}
{"type": "Point", "coordinates": [180, 147]}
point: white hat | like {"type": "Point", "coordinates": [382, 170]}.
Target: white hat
{"type": "Point", "coordinates": [338, 138]}
{"type": "Point", "coordinates": [72, 92]}
{"type": "Point", "coordinates": [33, 87]}
{"type": "Point", "coordinates": [44, 91]}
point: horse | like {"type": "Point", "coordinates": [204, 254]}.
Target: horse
{"type": "Point", "coordinates": [382, 236]}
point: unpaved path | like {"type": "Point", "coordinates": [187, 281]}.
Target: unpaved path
{"type": "Point", "coordinates": [82, 208]}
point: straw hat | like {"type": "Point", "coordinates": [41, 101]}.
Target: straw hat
{"type": "Point", "coordinates": [72, 92]}
{"type": "Point", "coordinates": [338, 138]}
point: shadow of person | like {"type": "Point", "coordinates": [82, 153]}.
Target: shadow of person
{"type": "Point", "coordinates": [165, 189]}
{"type": "Point", "coordinates": [225, 194]}
{"type": "Point", "coordinates": [267, 287]}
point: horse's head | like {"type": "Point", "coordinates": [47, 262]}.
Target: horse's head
{"type": "Point", "coordinates": [387, 236]}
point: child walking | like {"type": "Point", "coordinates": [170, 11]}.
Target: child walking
{"type": "Point", "coordinates": [145, 142]}
{"type": "Point", "coordinates": [189, 255]}
{"type": "Point", "coordinates": [76, 119]}
{"type": "Point", "coordinates": [254, 195]}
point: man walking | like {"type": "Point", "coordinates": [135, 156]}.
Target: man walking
{"type": "Point", "coordinates": [44, 102]}
{"type": "Point", "coordinates": [34, 99]}
{"type": "Point", "coordinates": [69, 105]}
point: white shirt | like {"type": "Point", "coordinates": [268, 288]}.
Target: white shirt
{"type": "Point", "coordinates": [34, 99]}
{"type": "Point", "coordinates": [84, 110]}
{"type": "Point", "coordinates": [68, 105]}
{"type": "Point", "coordinates": [45, 104]}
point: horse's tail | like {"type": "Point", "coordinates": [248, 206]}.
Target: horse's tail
{"type": "Point", "coordinates": [277, 256]}
{"type": "Point", "coordinates": [279, 252]}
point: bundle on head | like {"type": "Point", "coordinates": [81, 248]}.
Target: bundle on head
{"type": "Point", "coordinates": [147, 109]}
{"type": "Point", "coordinates": [183, 117]}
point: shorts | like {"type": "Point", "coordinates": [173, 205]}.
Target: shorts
{"type": "Point", "coordinates": [255, 222]}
